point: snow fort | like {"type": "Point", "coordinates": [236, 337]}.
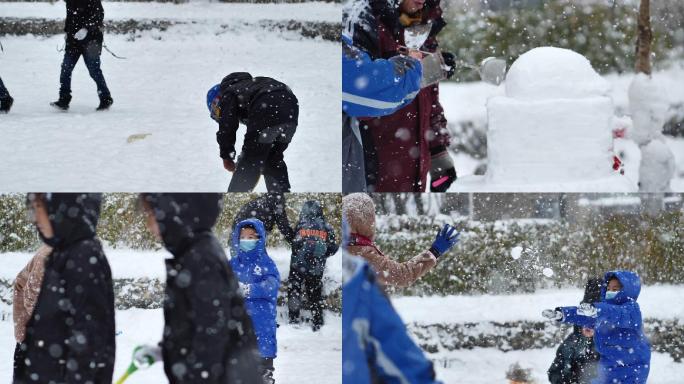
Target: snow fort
{"type": "Point", "coordinates": [554, 124]}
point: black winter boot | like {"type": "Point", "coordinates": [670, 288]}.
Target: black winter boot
{"type": "Point", "coordinates": [62, 103]}
{"type": "Point", "coordinates": [105, 103]}
{"type": "Point", "coordinates": [6, 104]}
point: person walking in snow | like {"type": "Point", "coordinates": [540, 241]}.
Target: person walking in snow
{"type": "Point", "coordinates": [358, 211]}
{"type": "Point", "coordinates": [69, 337]}
{"type": "Point", "coordinates": [208, 335]}
{"type": "Point", "coordinates": [259, 282]}
{"type": "Point", "coordinates": [270, 111]}
{"type": "Point", "coordinates": [313, 244]}
{"type": "Point", "coordinates": [402, 148]}
{"type": "Point", "coordinates": [269, 208]}
{"type": "Point", "coordinates": [24, 296]}
{"type": "Point", "coordinates": [84, 37]}
{"type": "Point", "coordinates": [576, 358]}
{"type": "Point", "coordinates": [6, 100]}
{"type": "Point", "coordinates": [625, 353]}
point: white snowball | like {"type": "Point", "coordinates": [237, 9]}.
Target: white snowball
{"type": "Point", "coordinates": [516, 252]}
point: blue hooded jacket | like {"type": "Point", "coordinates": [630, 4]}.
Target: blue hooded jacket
{"type": "Point", "coordinates": [618, 332]}
{"type": "Point", "coordinates": [376, 347]}
{"type": "Point", "coordinates": [256, 269]}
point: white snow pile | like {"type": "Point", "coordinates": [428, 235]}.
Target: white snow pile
{"type": "Point", "coordinates": [552, 130]}
{"type": "Point", "coordinates": [553, 73]}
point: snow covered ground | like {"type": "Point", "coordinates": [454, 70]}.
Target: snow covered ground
{"type": "Point", "coordinates": [303, 356]}
{"type": "Point", "coordinates": [159, 93]}
{"type": "Point", "coordinates": [467, 102]}
{"type": "Point", "coordinates": [489, 365]}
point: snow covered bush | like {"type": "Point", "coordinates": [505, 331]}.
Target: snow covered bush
{"type": "Point", "coordinates": [521, 257]}
{"type": "Point", "coordinates": [121, 224]}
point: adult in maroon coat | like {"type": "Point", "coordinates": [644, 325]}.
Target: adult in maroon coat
{"type": "Point", "coordinates": [401, 149]}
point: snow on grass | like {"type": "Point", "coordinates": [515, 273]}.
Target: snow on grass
{"type": "Point", "coordinates": [159, 95]}
{"type": "Point", "coordinates": [655, 302]}
{"type": "Point", "coordinates": [205, 10]}
{"type": "Point", "coordinates": [488, 365]}
{"type": "Point", "coordinates": [128, 263]}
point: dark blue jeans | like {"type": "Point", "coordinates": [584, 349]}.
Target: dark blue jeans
{"type": "Point", "coordinates": [90, 50]}
{"type": "Point", "coordinates": [4, 93]}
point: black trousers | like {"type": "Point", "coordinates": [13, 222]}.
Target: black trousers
{"type": "Point", "coordinates": [257, 159]}
{"type": "Point", "coordinates": [305, 285]}
{"type": "Point", "coordinates": [90, 49]}
{"type": "Point", "coordinates": [271, 124]}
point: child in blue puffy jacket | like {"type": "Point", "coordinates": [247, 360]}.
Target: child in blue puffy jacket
{"type": "Point", "coordinates": [259, 281]}
{"type": "Point", "coordinates": [618, 329]}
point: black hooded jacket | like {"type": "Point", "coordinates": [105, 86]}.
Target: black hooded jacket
{"type": "Point", "coordinates": [70, 336]}
{"type": "Point", "coordinates": [239, 94]}
{"type": "Point", "coordinates": [314, 240]}
{"type": "Point", "coordinates": [576, 358]}
{"type": "Point", "coordinates": [80, 14]}
{"type": "Point", "coordinates": [270, 210]}
{"type": "Point", "coordinates": [208, 335]}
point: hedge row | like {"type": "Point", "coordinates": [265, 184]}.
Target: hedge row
{"type": "Point", "coordinates": [482, 261]}
{"type": "Point", "coordinates": [121, 223]}
{"type": "Point", "coordinates": [665, 336]}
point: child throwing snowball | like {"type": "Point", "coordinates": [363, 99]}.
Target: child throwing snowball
{"type": "Point", "coordinates": [618, 329]}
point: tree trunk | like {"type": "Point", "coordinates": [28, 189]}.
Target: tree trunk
{"type": "Point", "coordinates": [644, 39]}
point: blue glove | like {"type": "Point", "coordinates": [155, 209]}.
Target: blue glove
{"type": "Point", "coordinates": [445, 240]}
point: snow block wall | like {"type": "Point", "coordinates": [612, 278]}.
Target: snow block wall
{"type": "Point", "coordinates": [554, 122]}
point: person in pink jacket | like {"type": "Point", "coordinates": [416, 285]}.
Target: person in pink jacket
{"type": "Point", "coordinates": [358, 210]}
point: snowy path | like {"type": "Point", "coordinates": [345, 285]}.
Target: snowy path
{"type": "Point", "coordinates": [303, 356]}
{"type": "Point", "coordinates": [159, 93]}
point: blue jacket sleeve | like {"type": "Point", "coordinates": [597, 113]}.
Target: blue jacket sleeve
{"type": "Point", "coordinates": [626, 316]}
{"type": "Point", "coordinates": [265, 289]}
{"type": "Point", "coordinates": [570, 316]}
{"type": "Point", "coordinates": [372, 88]}
{"type": "Point", "coordinates": [397, 358]}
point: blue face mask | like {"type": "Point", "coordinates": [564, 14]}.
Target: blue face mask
{"type": "Point", "coordinates": [611, 294]}
{"type": "Point", "coordinates": [247, 245]}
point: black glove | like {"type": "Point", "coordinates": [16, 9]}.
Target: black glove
{"type": "Point", "coordinates": [450, 62]}
{"type": "Point", "coordinates": [442, 171]}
